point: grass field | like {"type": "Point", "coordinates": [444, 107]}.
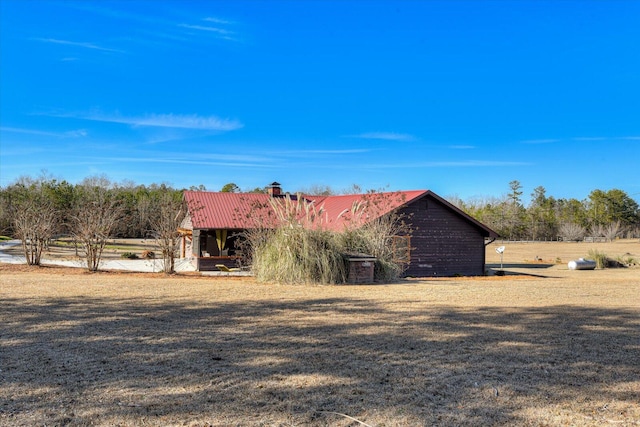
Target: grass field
{"type": "Point", "coordinates": [544, 346]}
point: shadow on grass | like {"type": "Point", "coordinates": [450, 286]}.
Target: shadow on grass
{"type": "Point", "coordinates": [522, 265]}
{"type": "Point", "coordinates": [88, 361]}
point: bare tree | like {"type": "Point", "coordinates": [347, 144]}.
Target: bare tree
{"type": "Point", "coordinates": [597, 230]}
{"type": "Point", "coordinates": [572, 231]}
{"type": "Point", "coordinates": [168, 215]}
{"type": "Point", "coordinates": [317, 190]}
{"type": "Point", "coordinates": [34, 219]}
{"type": "Point", "coordinates": [613, 230]}
{"type": "Point", "coordinates": [94, 220]}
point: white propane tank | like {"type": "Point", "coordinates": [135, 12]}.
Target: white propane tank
{"type": "Point", "coordinates": [582, 264]}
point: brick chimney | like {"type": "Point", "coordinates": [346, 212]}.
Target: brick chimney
{"type": "Point", "coordinates": [274, 189]}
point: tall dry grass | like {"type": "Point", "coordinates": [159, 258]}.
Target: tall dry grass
{"type": "Point", "coordinates": [601, 259]}
{"type": "Point", "coordinates": [299, 255]}
{"type": "Point", "coordinates": [301, 249]}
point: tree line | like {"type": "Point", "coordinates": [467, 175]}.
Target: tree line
{"type": "Point", "coordinates": [608, 214]}
{"type": "Point", "coordinates": [38, 209]}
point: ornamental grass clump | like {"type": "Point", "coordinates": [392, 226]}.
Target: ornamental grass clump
{"type": "Point", "coordinates": [366, 240]}
{"type": "Point", "coordinates": [296, 255]}
{"type": "Point", "coordinates": [301, 248]}
{"type": "Point", "coordinates": [372, 231]}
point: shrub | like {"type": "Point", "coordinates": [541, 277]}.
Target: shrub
{"type": "Point", "coordinates": [599, 257]}
{"type": "Point", "coordinates": [299, 255]}
{"type": "Point", "coordinates": [129, 255]}
{"type": "Point", "coordinates": [571, 231]}
{"type": "Point", "coordinates": [94, 218]}
{"type": "Point", "coordinates": [613, 230]}
{"type": "Point", "coordinates": [169, 213]}
{"type": "Point", "coordinates": [148, 255]}
{"type": "Point", "coordinates": [367, 240]}
{"type": "Point", "coordinates": [295, 246]}
{"type": "Point", "coordinates": [34, 219]}
{"type": "Point", "coordinates": [627, 260]}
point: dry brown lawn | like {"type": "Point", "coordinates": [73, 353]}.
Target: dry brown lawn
{"type": "Point", "coordinates": [558, 348]}
{"type": "Point", "coordinates": [560, 252]}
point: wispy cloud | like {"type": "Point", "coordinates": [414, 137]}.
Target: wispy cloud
{"type": "Point", "coordinates": [539, 141]}
{"type": "Point", "coordinates": [76, 133]}
{"type": "Point", "coordinates": [298, 153]}
{"type": "Point", "coordinates": [371, 166]}
{"type": "Point", "coordinates": [159, 28]}
{"type": "Point", "coordinates": [462, 147]}
{"type": "Point", "coordinates": [220, 161]}
{"type": "Point", "coordinates": [218, 20]}
{"type": "Point", "coordinates": [344, 151]}
{"type": "Point", "coordinates": [163, 36]}
{"type": "Point", "coordinates": [588, 139]}
{"type": "Point", "coordinates": [210, 29]}
{"type": "Point", "coordinates": [473, 163]}
{"type": "Point", "coordinates": [254, 158]}
{"type": "Point", "coordinates": [78, 44]}
{"type": "Point", "coordinates": [217, 30]}
{"type": "Point", "coordinates": [388, 136]}
{"type": "Point", "coordinates": [449, 164]}
{"type": "Point", "coordinates": [192, 121]}
{"type": "Point", "coordinates": [268, 159]}
{"type": "Point", "coordinates": [67, 134]}
{"type": "Point", "coordinates": [53, 164]}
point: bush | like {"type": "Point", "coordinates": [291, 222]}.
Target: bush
{"type": "Point", "coordinates": [624, 261]}
{"type": "Point", "coordinates": [629, 261]}
{"type": "Point", "coordinates": [571, 231]}
{"type": "Point", "coordinates": [148, 255]}
{"type": "Point", "coordinates": [299, 255]}
{"type": "Point", "coordinates": [367, 240]}
{"type": "Point", "coordinates": [300, 249]}
{"type": "Point", "coordinates": [599, 257]}
{"type": "Point", "coordinates": [129, 255]}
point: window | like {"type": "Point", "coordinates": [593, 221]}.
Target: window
{"type": "Point", "coordinates": [401, 246]}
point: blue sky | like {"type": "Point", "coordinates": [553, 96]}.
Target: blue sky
{"type": "Point", "coordinates": [460, 97]}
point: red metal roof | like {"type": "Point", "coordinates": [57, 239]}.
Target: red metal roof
{"type": "Point", "coordinates": [222, 210]}
{"type": "Point", "coordinates": [356, 209]}
{"type": "Point", "coordinates": [213, 210]}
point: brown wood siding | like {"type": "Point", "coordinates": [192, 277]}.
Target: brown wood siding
{"type": "Point", "coordinates": [443, 242]}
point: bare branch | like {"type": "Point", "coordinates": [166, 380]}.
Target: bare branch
{"type": "Point", "coordinates": [34, 221]}
{"type": "Point", "coordinates": [168, 213]}
{"type": "Point", "coordinates": [94, 220]}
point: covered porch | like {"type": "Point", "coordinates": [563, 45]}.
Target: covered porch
{"type": "Point", "coordinates": [211, 247]}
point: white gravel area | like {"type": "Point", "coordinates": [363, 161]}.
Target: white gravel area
{"type": "Point", "coordinates": [137, 265]}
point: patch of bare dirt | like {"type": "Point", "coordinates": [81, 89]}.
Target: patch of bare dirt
{"type": "Point", "coordinates": [108, 349]}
